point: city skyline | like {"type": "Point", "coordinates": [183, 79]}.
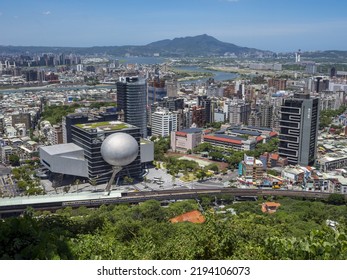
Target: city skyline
{"type": "Point", "coordinates": [269, 25]}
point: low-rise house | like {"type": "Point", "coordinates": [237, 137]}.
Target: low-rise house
{"type": "Point", "coordinates": [270, 207]}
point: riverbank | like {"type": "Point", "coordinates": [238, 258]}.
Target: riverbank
{"type": "Point", "coordinates": [189, 75]}
{"type": "Point", "coordinates": [200, 74]}
{"type": "Point", "coordinates": [243, 71]}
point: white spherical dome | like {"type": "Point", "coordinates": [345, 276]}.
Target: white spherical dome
{"type": "Point", "coordinates": [119, 149]}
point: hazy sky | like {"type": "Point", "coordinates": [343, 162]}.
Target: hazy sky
{"type": "Point", "coordinates": [277, 25]}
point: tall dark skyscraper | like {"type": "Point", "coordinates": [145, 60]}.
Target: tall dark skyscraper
{"type": "Point", "coordinates": [132, 100]}
{"type": "Point", "coordinates": [299, 129]}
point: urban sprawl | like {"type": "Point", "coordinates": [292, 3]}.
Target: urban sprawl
{"type": "Point", "coordinates": [278, 124]}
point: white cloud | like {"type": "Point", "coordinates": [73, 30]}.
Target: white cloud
{"type": "Point", "coordinates": [46, 13]}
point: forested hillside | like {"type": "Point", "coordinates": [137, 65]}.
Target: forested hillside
{"type": "Point", "coordinates": [297, 230]}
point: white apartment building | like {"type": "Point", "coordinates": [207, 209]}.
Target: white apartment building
{"type": "Point", "coordinates": [163, 122]}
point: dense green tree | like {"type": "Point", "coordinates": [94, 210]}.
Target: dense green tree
{"type": "Point", "coordinates": [203, 147]}
{"type": "Point", "coordinates": [216, 155]}
{"type": "Point", "coordinates": [54, 113]}
{"type": "Point", "coordinates": [296, 231]}
{"type": "Point", "coordinates": [336, 199]}
{"type": "Point", "coordinates": [14, 160]}
{"type": "Point", "coordinates": [161, 146]}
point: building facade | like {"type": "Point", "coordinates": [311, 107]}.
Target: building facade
{"type": "Point", "coordinates": [186, 139]}
{"type": "Point", "coordinates": [132, 100]}
{"type": "Point", "coordinates": [163, 122]}
{"type": "Point", "coordinates": [90, 137]}
{"type": "Point", "coordinates": [299, 129]}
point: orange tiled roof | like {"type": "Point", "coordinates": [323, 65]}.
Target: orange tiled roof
{"type": "Point", "coordinates": [275, 156]}
{"type": "Point", "coordinates": [273, 133]}
{"type": "Point", "coordinates": [180, 133]}
{"type": "Point", "coordinates": [194, 216]}
{"type": "Point", "coordinates": [270, 207]}
{"type": "Point", "coordinates": [222, 139]}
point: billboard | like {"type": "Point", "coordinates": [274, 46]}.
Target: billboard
{"type": "Point", "coordinates": [248, 160]}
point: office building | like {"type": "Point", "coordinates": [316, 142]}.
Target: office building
{"type": "Point", "coordinates": [299, 129]}
{"type": "Point", "coordinates": [163, 122]}
{"type": "Point", "coordinates": [132, 101]}
{"type": "Point", "coordinates": [156, 91]}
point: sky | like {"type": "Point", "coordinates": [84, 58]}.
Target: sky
{"type": "Point", "coordinates": [276, 25]}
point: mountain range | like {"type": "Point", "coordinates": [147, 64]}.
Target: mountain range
{"type": "Point", "coordinates": [201, 45]}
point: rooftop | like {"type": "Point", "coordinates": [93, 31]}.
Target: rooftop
{"type": "Point", "coordinates": [61, 149]}
{"type": "Point", "coordinates": [192, 130]}
{"type": "Point", "coordinates": [247, 132]}
{"type": "Point", "coordinates": [105, 126]}
{"type": "Point", "coordinates": [194, 216]}
{"type": "Point", "coordinates": [225, 138]}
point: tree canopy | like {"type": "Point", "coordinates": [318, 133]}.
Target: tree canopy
{"type": "Point", "coordinates": [297, 230]}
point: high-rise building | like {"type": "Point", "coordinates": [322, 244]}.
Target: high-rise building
{"type": "Point", "coordinates": [163, 122]}
{"type": "Point", "coordinates": [171, 88]}
{"type": "Point", "coordinates": [156, 91]}
{"type": "Point", "coordinates": [198, 116]}
{"type": "Point", "coordinates": [239, 112]}
{"type": "Point", "coordinates": [205, 102]}
{"type": "Point", "coordinates": [299, 129]}
{"type": "Point", "coordinates": [132, 100]}
{"type": "Point", "coordinates": [57, 135]}
{"type": "Point", "coordinates": [266, 111]}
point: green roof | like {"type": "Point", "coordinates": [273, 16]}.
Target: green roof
{"type": "Point", "coordinates": [110, 125]}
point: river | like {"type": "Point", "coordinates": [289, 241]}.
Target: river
{"type": "Point", "coordinates": [217, 75]}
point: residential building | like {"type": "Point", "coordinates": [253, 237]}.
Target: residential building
{"type": "Point", "coordinates": [22, 118]}
{"type": "Point", "coordinates": [271, 160]}
{"type": "Point", "coordinates": [57, 135]}
{"type": "Point", "coordinates": [278, 84]}
{"type": "Point", "coordinates": [205, 102]}
{"type": "Point", "coordinates": [239, 112]}
{"type": "Point", "coordinates": [198, 116]}
{"type": "Point", "coordinates": [266, 111]}
{"type": "Point", "coordinates": [171, 88]}
{"type": "Point", "coordinates": [252, 169]}
{"type": "Point", "coordinates": [299, 129]}
{"type": "Point", "coordinates": [163, 122]}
